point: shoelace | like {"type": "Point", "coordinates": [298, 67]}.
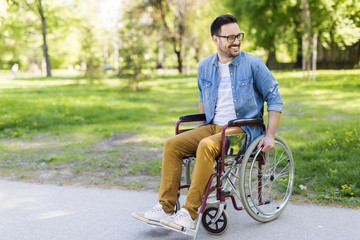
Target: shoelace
{"type": "Point", "coordinates": [157, 208]}
{"type": "Point", "coordinates": [179, 215]}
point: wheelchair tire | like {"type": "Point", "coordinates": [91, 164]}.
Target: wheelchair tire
{"type": "Point", "coordinates": [266, 180]}
{"type": "Point", "coordinates": [220, 226]}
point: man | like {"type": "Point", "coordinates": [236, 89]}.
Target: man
{"type": "Point", "coordinates": [14, 69]}
{"type": "Point", "coordinates": [232, 85]}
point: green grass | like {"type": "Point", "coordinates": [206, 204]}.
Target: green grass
{"type": "Point", "coordinates": [321, 123]}
{"type": "Point", "coordinates": [66, 130]}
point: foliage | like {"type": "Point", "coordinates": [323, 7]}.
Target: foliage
{"type": "Point", "coordinates": [174, 33]}
{"type": "Point", "coordinates": [277, 24]}
{"type": "Point", "coordinates": [22, 32]}
{"type": "Point", "coordinates": [18, 39]}
{"type": "Point", "coordinates": [174, 22]}
{"type": "Point", "coordinates": [336, 21]}
{"type": "Point", "coordinates": [269, 23]}
{"type": "Point", "coordinates": [90, 54]}
{"type": "Point", "coordinates": [134, 36]}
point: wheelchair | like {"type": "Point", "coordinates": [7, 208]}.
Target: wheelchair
{"type": "Point", "coordinates": [261, 183]}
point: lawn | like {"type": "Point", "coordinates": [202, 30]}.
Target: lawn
{"type": "Point", "coordinates": [66, 131]}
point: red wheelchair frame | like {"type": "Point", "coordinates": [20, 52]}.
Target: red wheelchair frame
{"type": "Point", "coordinates": [221, 195]}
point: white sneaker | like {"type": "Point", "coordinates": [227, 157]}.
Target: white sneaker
{"type": "Point", "coordinates": [179, 221]}
{"type": "Point", "coordinates": [152, 216]}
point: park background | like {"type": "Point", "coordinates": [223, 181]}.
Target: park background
{"type": "Point", "coordinates": [100, 85]}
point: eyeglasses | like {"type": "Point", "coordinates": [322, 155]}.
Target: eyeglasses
{"type": "Point", "coordinates": [231, 38]}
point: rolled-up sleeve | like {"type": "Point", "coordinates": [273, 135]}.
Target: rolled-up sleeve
{"type": "Point", "coordinates": [268, 87]}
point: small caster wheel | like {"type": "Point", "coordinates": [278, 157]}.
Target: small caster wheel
{"type": "Point", "coordinates": [218, 227]}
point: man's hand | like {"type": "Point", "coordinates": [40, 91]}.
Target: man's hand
{"type": "Point", "coordinates": [267, 142]}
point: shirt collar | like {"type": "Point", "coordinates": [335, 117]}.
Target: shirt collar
{"type": "Point", "coordinates": [235, 61]}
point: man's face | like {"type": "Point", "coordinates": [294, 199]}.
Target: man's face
{"type": "Point", "coordinates": [226, 49]}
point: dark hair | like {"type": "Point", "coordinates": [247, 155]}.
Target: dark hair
{"type": "Point", "coordinates": [219, 21]}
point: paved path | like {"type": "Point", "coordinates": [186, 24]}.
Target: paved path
{"type": "Point", "coordinates": [38, 211]}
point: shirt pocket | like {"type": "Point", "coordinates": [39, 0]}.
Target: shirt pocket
{"type": "Point", "coordinates": [245, 82]}
{"type": "Point", "coordinates": [246, 91]}
{"type": "Point", "coordinates": [206, 83]}
{"type": "Point", "coordinates": [207, 90]}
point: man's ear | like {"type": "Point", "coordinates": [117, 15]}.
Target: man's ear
{"type": "Point", "coordinates": [215, 39]}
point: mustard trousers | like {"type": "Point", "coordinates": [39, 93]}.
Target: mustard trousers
{"type": "Point", "coordinates": [205, 141]}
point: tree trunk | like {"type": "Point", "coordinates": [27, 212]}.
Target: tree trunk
{"type": "Point", "coordinates": [115, 42]}
{"type": "Point", "coordinates": [314, 57]}
{"type": "Point", "coordinates": [116, 55]}
{"type": "Point", "coordinates": [180, 56]}
{"type": "Point", "coordinates": [299, 52]}
{"type": "Point", "coordinates": [181, 15]}
{"type": "Point", "coordinates": [180, 59]}
{"type": "Point", "coordinates": [161, 54]}
{"type": "Point", "coordinates": [45, 47]}
{"type": "Point", "coordinates": [271, 59]}
{"type": "Point", "coordinates": [177, 34]}
{"type": "Point", "coordinates": [303, 65]}
{"type": "Point", "coordinates": [306, 39]}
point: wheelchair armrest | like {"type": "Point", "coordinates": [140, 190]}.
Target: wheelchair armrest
{"type": "Point", "coordinates": [193, 117]}
{"type": "Point", "coordinates": [246, 122]}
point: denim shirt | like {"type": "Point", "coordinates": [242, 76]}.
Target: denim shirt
{"type": "Point", "coordinates": [252, 84]}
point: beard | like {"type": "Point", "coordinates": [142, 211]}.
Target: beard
{"type": "Point", "coordinates": [228, 51]}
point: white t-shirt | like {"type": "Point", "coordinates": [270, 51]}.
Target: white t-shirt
{"type": "Point", "coordinates": [224, 108]}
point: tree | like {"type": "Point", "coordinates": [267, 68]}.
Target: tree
{"type": "Point", "coordinates": [306, 39]}
{"type": "Point", "coordinates": [43, 28]}
{"type": "Point", "coordinates": [173, 15]}
{"type": "Point", "coordinates": [333, 21]}
{"type": "Point", "coordinates": [12, 35]}
{"type": "Point", "coordinates": [336, 21]}
{"type": "Point", "coordinates": [134, 36]}
{"type": "Point", "coordinates": [274, 23]}
{"type": "Point", "coordinates": [37, 7]}
{"type": "Point", "coordinates": [269, 22]}
{"type": "Point", "coordinates": [23, 38]}
{"type": "Point", "coordinates": [93, 39]}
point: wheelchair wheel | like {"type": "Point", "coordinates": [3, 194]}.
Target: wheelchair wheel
{"type": "Point", "coordinates": [218, 227]}
{"type": "Point", "coordinates": [266, 180]}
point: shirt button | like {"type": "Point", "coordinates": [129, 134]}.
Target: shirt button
{"type": "Point", "coordinates": [237, 114]}
{"type": "Point", "coordinates": [234, 100]}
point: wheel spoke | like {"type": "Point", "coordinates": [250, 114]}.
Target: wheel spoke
{"type": "Point", "coordinates": [217, 225]}
{"type": "Point", "coordinates": [211, 216]}
{"type": "Point", "coordinates": [266, 200]}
